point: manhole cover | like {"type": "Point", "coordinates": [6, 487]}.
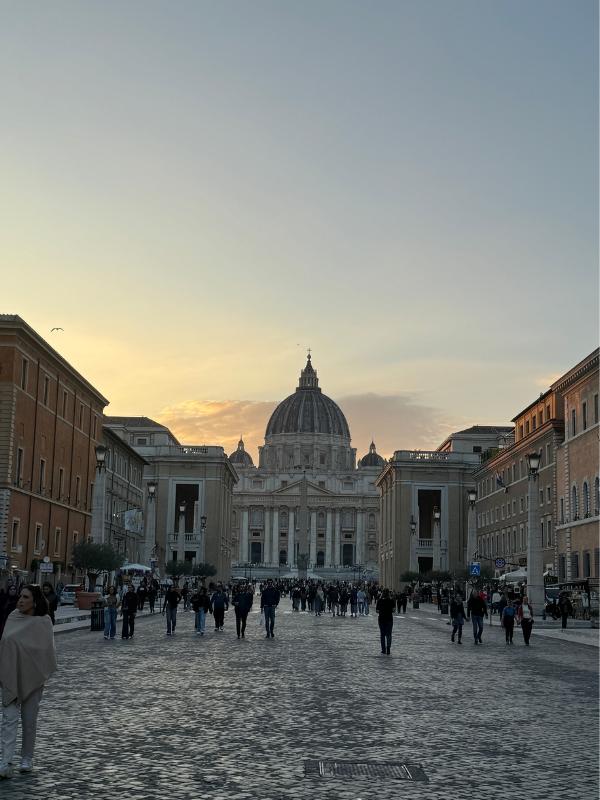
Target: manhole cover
{"type": "Point", "coordinates": [364, 769]}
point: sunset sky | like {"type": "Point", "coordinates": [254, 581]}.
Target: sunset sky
{"type": "Point", "coordinates": [199, 191]}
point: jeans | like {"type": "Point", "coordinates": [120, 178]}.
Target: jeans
{"type": "Point", "coordinates": [200, 620]}
{"type": "Point", "coordinates": [477, 627]}
{"type": "Point", "coordinates": [564, 618]}
{"type": "Point", "coordinates": [269, 612]}
{"type": "Point", "coordinates": [171, 618]}
{"type": "Point", "coordinates": [361, 607]}
{"type": "Point", "coordinates": [110, 621]}
{"type": "Point", "coordinates": [219, 615]}
{"type": "Point", "coordinates": [509, 627]}
{"type": "Point", "coordinates": [128, 624]}
{"type": "Point", "coordinates": [385, 633]}
{"type": "Point", "coordinates": [526, 626]}
{"type": "Point", "coordinates": [457, 627]}
{"type": "Point", "coordinates": [240, 622]}
{"type": "Point", "coordinates": [28, 711]}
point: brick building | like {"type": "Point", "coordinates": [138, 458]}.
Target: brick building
{"type": "Point", "coordinates": [577, 477]}
{"type": "Point", "coordinates": [50, 424]}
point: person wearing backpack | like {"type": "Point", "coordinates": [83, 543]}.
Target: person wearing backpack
{"type": "Point", "coordinates": [508, 621]}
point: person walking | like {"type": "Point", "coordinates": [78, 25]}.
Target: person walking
{"type": "Point", "coordinates": [129, 605]}
{"type": "Point", "coordinates": [385, 609]}
{"type": "Point", "coordinates": [111, 606]}
{"type": "Point", "coordinates": [507, 621]}
{"type": "Point", "coordinates": [360, 599]}
{"type": "Point", "coordinates": [565, 608]}
{"type": "Point", "coordinates": [151, 595]}
{"type": "Point", "coordinates": [269, 600]}
{"type": "Point", "coordinates": [354, 602]}
{"type": "Point", "coordinates": [220, 603]}
{"type": "Point", "coordinates": [142, 593]}
{"type": "Point", "coordinates": [476, 611]}
{"type": "Point", "coordinates": [334, 600]}
{"type": "Point", "coordinates": [51, 599]}
{"type": "Point", "coordinates": [457, 615]}
{"type": "Point", "coordinates": [319, 601]}
{"type": "Point", "coordinates": [8, 603]}
{"type": "Point", "coordinates": [242, 603]}
{"type": "Point", "coordinates": [172, 600]}
{"type": "Point", "coordinates": [525, 619]}
{"type": "Point", "coordinates": [202, 606]}
{"type": "Point", "coordinates": [27, 660]}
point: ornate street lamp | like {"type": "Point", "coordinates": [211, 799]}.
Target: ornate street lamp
{"type": "Point", "coordinates": [152, 490]}
{"type": "Point", "coordinates": [535, 558]}
{"type": "Point", "coordinates": [100, 457]}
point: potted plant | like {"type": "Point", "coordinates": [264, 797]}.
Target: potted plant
{"type": "Point", "coordinates": [94, 559]}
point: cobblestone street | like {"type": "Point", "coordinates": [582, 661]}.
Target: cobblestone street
{"type": "Point", "coordinates": [212, 717]}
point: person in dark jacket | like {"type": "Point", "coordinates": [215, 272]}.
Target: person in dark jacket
{"type": "Point", "coordinates": [172, 600]}
{"type": "Point", "coordinates": [476, 611]}
{"type": "Point", "coordinates": [202, 606]}
{"type": "Point", "coordinates": [220, 603]}
{"type": "Point", "coordinates": [507, 620]}
{"type": "Point", "coordinates": [242, 603]}
{"type": "Point", "coordinates": [142, 593]}
{"type": "Point", "coordinates": [565, 608]}
{"type": "Point", "coordinates": [269, 600]}
{"type": "Point", "coordinates": [51, 599]}
{"type": "Point", "coordinates": [151, 595]}
{"type": "Point", "coordinates": [8, 603]}
{"type": "Point", "coordinates": [457, 615]}
{"type": "Point", "coordinates": [129, 608]}
{"type": "Point", "coordinates": [385, 609]}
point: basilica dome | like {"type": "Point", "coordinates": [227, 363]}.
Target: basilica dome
{"type": "Point", "coordinates": [241, 457]}
{"type": "Point", "coordinates": [372, 458]}
{"type": "Point", "coordinates": [308, 410]}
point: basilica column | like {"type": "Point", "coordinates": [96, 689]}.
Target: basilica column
{"type": "Point", "coordinates": [328, 538]}
{"type": "Point", "coordinates": [267, 542]}
{"type": "Point", "coordinates": [313, 538]}
{"type": "Point", "coordinates": [244, 537]}
{"type": "Point", "coordinates": [275, 537]}
{"type": "Point", "coordinates": [291, 538]}
{"type": "Point", "coordinates": [337, 538]}
{"type": "Point", "coordinates": [360, 536]}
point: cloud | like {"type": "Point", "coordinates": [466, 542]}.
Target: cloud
{"type": "Point", "coordinates": [396, 421]}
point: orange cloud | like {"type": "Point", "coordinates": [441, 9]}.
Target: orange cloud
{"type": "Point", "coordinates": [394, 421]}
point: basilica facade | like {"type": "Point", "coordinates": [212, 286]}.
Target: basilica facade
{"type": "Point", "coordinates": [307, 508]}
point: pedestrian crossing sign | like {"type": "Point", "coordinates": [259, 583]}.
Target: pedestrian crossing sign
{"type": "Point", "coordinates": [475, 568]}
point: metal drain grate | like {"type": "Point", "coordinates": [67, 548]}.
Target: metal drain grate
{"type": "Point", "coordinates": [364, 769]}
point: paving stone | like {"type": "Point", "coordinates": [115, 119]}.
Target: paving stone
{"type": "Point", "coordinates": [216, 717]}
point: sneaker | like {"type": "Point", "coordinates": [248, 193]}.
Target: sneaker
{"type": "Point", "coordinates": [106, 637]}
{"type": "Point", "coordinates": [6, 770]}
{"type": "Point", "coordinates": [26, 765]}
{"type": "Point", "coordinates": [168, 633]}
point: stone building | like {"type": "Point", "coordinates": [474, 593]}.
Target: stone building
{"type": "Point", "coordinates": [307, 506]}
{"type": "Point", "coordinates": [189, 512]}
{"type": "Point", "coordinates": [50, 425]}
{"type": "Point", "coordinates": [502, 504]}
{"type": "Point", "coordinates": [577, 475]}
{"type": "Point", "coordinates": [424, 506]}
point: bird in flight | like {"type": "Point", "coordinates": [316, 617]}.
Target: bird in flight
{"type": "Point", "coordinates": [57, 329]}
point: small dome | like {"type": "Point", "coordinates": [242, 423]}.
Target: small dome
{"type": "Point", "coordinates": [372, 459]}
{"type": "Point", "coordinates": [241, 457]}
{"type": "Point", "coordinates": [308, 410]}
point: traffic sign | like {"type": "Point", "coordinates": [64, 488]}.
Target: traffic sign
{"type": "Point", "coordinates": [46, 566]}
{"type": "Point", "coordinates": [475, 568]}
{"type": "Point", "coordinates": [500, 562]}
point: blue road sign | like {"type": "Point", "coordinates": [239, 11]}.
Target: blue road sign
{"type": "Point", "coordinates": [475, 568]}
{"type": "Point", "coordinates": [500, 562]}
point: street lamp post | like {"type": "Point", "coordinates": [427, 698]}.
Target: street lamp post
{"type": "Point", "coordinates": [535, 564]}
{"type": "Point", "coordinates": [181, 529]}
{"type": "Point", "coordinates": [471, 528]}
{"type": "Point", "coordinates": [203, 538]}
{"type": "Point", "coordinates": [150, 533]}
{"type": "Point", "coordinates": [436, 538]}
{"type": "Point", "coordinates": [99, 498]}
{"type": "Point", "coordinates": [413, 566]}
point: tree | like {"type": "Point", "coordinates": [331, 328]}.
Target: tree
{"type": "Point", "coordinates": [178, 568]}
{"type": "Point", "coordinates": [203, 570]}
{"type": "Point", "coordinates": [95, 558]}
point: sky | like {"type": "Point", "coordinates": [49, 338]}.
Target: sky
{"type": "Point", "coordinates": [197, 192]}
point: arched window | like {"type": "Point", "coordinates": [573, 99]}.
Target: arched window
{"type": "Point", "coordinates": [320, 559]}
{"type": "Point", "coordinates": [574, 504]}
{"type": "Point", "coordinates": [321, 519]}
{"type": "Point", "coordinates": [586, 499]}
{"type": "Point", "coordinates": [371, 521]}
{"type": "Point", "coordinates": [282, 556]}
{"type": "Point", "coordinates": [597, 497]}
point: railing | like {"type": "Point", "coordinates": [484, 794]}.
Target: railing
{"type": "Point", "coordinates": [435, 456]}
{"type": "Point", "coordinates": [425, 543]}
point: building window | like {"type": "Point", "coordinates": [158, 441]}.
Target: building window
{"type": "Point", "coordinates": [321, 484]}
{"type": "Point", "coordinates": [574, 565]}
{"type": "Point", "coordinates": [65, 404]}
{"type": "Point", "coordinates": [514, 507]}
{"type": "Point", "coordinates": [521, 504]}
{"type": "Point", "coordinates": [584, 415]}
{"type": "Point", "coordinates": [141, 440]}
{"type": "Point", "coordinates": [587, 565]}
{"type": "Point", "coordinates": [597, 497]}
{"type": "Point", "coordinates": [77, 490]}
{"type": "Point", "coordinates": [61, 482]}
{"type": "Point", "coordinates": [548, 454]}
{"type": "Point", "coordinates": [574, 504]}
{"type": "Point", "coordinates": [573, 422]}
{"type": "Point", "coordinates": [95, 428]}
{"type": "Point", "coordinates": [542, 532]}
{"type": "Point", "coordinates": [42, 475]}
{"type": "Point", "coordinates": [282, 556]}
{"type": "Point", "coordinates": [19, 473]}
{"type": "Point", "coordinates": [24, 373]}
{"type": "Point", "coordinates": [37, 544]}
{"type": "Point", "coordinates": [46, 389]}
{"type": "Point", "coordinates": [284, 484]}
{"type": "Point", "coordinates": [520, 431]}
{"type": "Point", "coordinates": [549, 533]}
{"type": "Point", "coordinates": [534, 422]}
{"type": "Point", "coordinates": [320, 559]}
{"type": "Point", "coordinates": [477, 449]}
{"type": "Point", "coordinates": [541, 497]}
{"type": "Point", "coordinates": [595, 409]}
{"type": "Point", "coordinates": [586, 499]}
{"type": "Point", "coordinates": [562, 568]}
{"type": "Point", "coordinates": [562, 510]}
{"type": "Point", "coordinates": [81, 417]}
{"type": "Point", "coordinates": [57, 534]}
{"type": "Point", "coordinates": [526, 427]}
{"type": "Point", "coordinates": [14, 537]}
{"type": "Point", "coordinates": [548, 494]}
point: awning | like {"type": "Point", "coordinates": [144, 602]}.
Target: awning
{"type": "Point", "coordinates": [517, 575]}
{"type": "Point", "coordinates": [135, 568]}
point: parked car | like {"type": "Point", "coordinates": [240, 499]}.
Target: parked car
{"type": "Point", "coordinates": [68, 595]}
